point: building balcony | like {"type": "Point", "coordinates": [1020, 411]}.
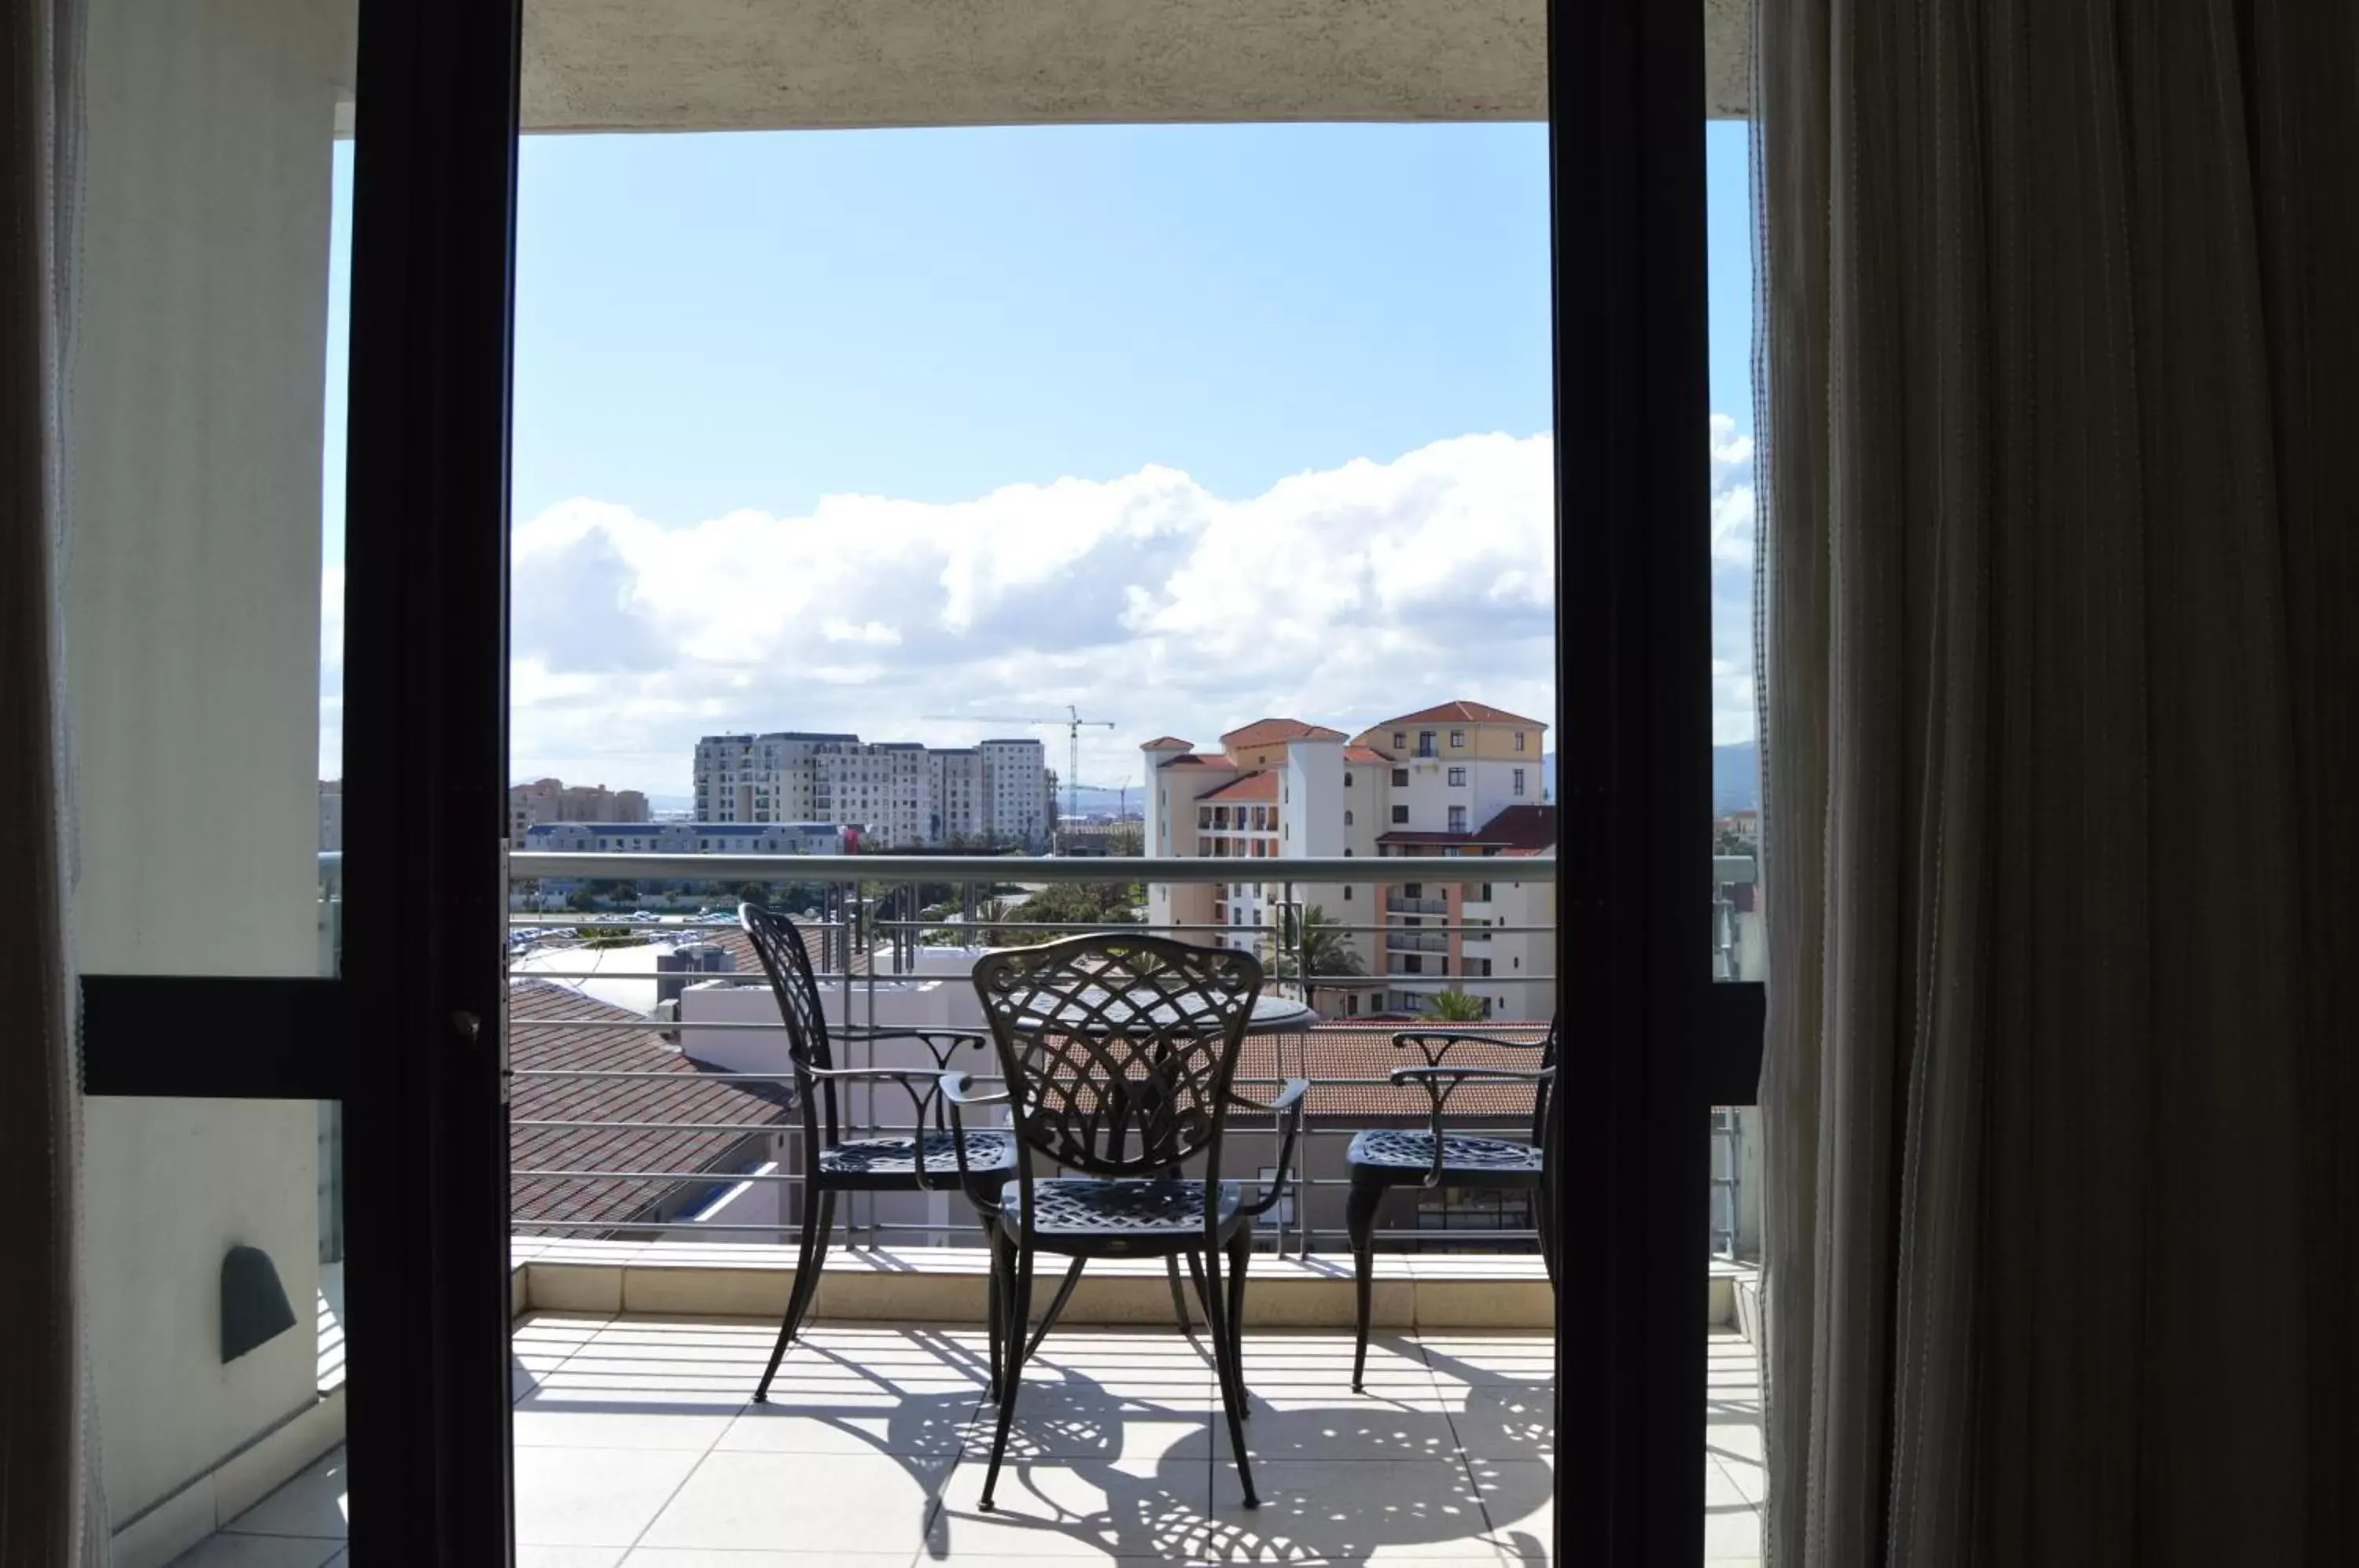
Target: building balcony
{"type": "Point", "coordinates": [1401, 904]}
{"type": "Point", "coordinates": [636, 1440]}
{"type": "Point", "coordinates": [653, 1252]}
{"type": "Point", "coordinates": [1415, 942]}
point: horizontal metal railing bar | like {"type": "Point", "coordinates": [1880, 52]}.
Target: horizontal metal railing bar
{"type": "Point", "coordinates": [535, 866]}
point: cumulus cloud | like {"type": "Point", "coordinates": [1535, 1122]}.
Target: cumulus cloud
{"type": "Point", "coordinates": [1341, 595]}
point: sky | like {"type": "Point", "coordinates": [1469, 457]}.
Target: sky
{"type": "Point", "coordinates": [1182, 425]}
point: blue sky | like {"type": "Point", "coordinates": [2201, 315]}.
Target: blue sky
{"type": "Point", "coordinates": [1263, 319]}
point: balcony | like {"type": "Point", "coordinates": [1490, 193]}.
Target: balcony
{"type": "Point", "coordinates": [1401, 904]}
{"type": "Point", "coordinates": [1415, 942]}
{"type": "Point", "coordinates": [653, 1251]}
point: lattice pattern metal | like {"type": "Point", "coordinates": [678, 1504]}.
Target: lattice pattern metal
{"type": "Point", "coordinates": [1092, 1207]}
{"type": "Point", "coordinates": [1414, 1150]}
{"type": "Point", "coordinates": [1118, 1049]}
{"type": "Point", "coordinates": [897, 1156]}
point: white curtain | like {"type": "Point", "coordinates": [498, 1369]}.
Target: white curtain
{"type": "Point", "coordinates": [2061, 358]}
{"type": "Point", "coordinates": [51, 1509]}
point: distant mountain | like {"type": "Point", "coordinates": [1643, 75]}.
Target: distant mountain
{"type": "Point", "coordinates": [1735, 776]}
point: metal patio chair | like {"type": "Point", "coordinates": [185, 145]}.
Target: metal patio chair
{"type": "Point", "coordinates": [1382, 1158]}
{"type": "Point", "coordinates": [929, 1157]}
{"type": "Point", "coordinates": [1119, 1054]}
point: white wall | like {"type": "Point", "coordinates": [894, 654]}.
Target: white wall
{"type": "Point", "coordinates": [192, 631]}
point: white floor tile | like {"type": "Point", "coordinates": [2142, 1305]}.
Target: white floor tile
{"type": "Point", "coordinates": [1376, 1513]}
{"type": "Point", "coordinates": [801, 1502]}
{"type": "Point", "coordinates": [313, 1504]}
{"type": "Point", "coordinates": [1157, 1508]}
{"type": "Point", "coordinates": [260, 1551]}
{"type": "Point", "coordinates": [593, 1496]}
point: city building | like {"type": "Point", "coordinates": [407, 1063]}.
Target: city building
{"type": "Point", "coordinates": [554, 801]}
{"type": "Point", "coordinates": [1460, 780]}
{"type": "Point", "coordinates": [688, 838]}
{"type": "Point", "coordinates": [332, 814]}
{"type": "Point", "coordinates": [899, 793]}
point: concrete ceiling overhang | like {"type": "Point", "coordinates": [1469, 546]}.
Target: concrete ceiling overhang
{"type": "Point", "coordinates": [715, 65]}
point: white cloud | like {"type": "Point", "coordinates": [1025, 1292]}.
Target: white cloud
{"type": "Point", "coordinates": [1341, 595]}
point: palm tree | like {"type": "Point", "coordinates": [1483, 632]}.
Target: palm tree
{"type": "Point", "coordinates": [1314, 942]}
{"type": "Point", "coordinates": [1455, 1007]}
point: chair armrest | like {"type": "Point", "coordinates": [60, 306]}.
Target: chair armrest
{"type": "Point", "coordinates": [941, 1043]}
{"type": "Point", "coordinates": [1435, 1044]}
{"type": "Point", "coordinates": [921, 1084]}
{"type": "Point", "coordinates": [1440, 1083]}
{"type": "Point", "coordinates": [1289, 1108]}
{"type": "Point", "coordinates": [957, 1094]}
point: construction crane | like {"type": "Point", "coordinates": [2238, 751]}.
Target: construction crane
{"type": "Point", "coordinates": [1075, 724]}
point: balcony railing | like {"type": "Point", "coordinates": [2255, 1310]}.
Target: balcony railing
{"type": "Point", "coordinates": [1397, 940]}
{"type": "Point", "coordinates": [1398, 904]}
{"type": "Point", "coordinates": [869, 941]}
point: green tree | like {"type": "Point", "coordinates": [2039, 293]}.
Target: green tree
{"type": "Point", "coordinates": [1094, 904]}
{"type": "Point", "coordinates": [1455, 1007]}
{"type": "Point", "coordinates": [1314, 942]}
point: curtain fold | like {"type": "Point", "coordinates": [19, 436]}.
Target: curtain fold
{"type": "Point", "coordinates": [51, 1504]}
{"type": "Point", "coordinates": [2058, 342]}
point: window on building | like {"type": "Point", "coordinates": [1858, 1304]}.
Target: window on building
{"type": "Point", "coordinates": [1458, 738]}
{"type": "Point", "coordinates": [1457, 819]}
{"type": "Point", "coordinates": [1458, 778]}
{"type": "Point", "coordinates": [1351, 1005]}
{"type": "Point", "coordinates": [1413, 890]}
{"type": "Point", "coordinates": [1519, 740]}
{"type": "Point", "coordinates": [1347, 817]}
{"type": "Point", "coordinates": [1399, 739]}
{"type": "Point", "coordinates": [1347, 779]}
{"type": "Point", "coordinates": [1425, 743]}
{"type": "Point", "coordinates": [1519, 788]}
{"type": "Point", "coordinates": [1347, 894]}
{"type": "Point", "coordinates": [1487, 892]}
{"type": "Point", "coordinates": [1400, 813]}
{"type": "Point", "coordinates": [1410, 964]}
{"type": "Point", "coordinates": [1401, 777]}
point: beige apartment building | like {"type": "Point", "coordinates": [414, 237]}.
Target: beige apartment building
{"type": "Point", "coordinates": [1460, 780]}
{"type": "Point", "coordinates": [554, 801]}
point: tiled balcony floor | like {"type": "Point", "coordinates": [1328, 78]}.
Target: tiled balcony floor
{"type": "Point", "coordinates": [636, 1446]}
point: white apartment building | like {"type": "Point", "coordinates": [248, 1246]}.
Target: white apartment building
{"type": "Point", "coordinates": [898, 792]}
{"type": "Point", "coordinates": [1018, 799]}
{"type": "Point", "coordinates": [1460, 780]}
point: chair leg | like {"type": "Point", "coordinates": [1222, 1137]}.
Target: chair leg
{"type": "Point", "coordinates": [1232, 1380]}
{"type": "Point", "coordinates": [1544, 1212]}
{"type": "Point", "coordinates": [996, 1302]}
{"type": "Point", "coordinates": [1011, 1376]}
{"type": "Point", "coordinates": [818, 1220]}
{"type": "Point", "coordinates": [1178, 1297]}
{"type": "Point", "coordinates": [1240, 1254]}
{"type": "Point", "coordinates": [1360, 1222]}
{"type": "Point", "coordinates": [1056, 1307]}
{"type": "Point", "coordinates": [1196, 1275]}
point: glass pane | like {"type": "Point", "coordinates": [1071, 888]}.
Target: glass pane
{"type": "Point", "coordinates": [1057, 493]}
{"type": "Point", "coordinates": [203, 640]}
{"type": "Point", "coordinates": [1738, 950]}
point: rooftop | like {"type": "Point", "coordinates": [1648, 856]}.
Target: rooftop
{"type": "Point", "coordinates": [1252, 787]}
{"type": "Point", "coordinates": [1462, 713]}
{"type": "Point", "coordinates": [688, 1093]}
{"type": "Point", "coordinates": [1275, 732]}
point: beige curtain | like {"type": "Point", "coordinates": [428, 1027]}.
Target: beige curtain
{"type": "Point", "coordinates": [52, 1511]}
{"type": "Point", "coordinates": [2061, 334]}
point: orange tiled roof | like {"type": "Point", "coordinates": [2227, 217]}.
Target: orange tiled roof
{"type": "Point", "coordinates": [1161, 741]}
{"type": "Point", "coordinates": [687, 1093]}
{"type": "Point", "coordinates": [1463, 713]}
{"type": "Point", "coordinates": [1252, 787]}
{"type": "Point", "coordinates": [1367, 754]}
{"type": "Point", "coordinates": [1273, 732]}
{"type": "Point", "coordinates": [1528, 830]}
{"type": "Point", "coordinates": [1362, 1054]}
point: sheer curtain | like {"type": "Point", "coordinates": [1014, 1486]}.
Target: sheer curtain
{"type": "Point", "coordinates": [50, 1510]}
{"type": "Point", "coordinates": [2060, 353]}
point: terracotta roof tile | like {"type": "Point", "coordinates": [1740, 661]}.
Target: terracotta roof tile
{"type": "Point", "coordinates": [1364, 754]}
{"type": "Point", "coordinates": [1528, 829]}
{"type": "Point", "coordinates": [1347, 1063]}
{"type": "Point", "coordinates": [687, 1093]}
{"type": "Point", "coordinates": [1462, 713]}
{"type": "Point", "coordinates": [1252, 787]}
{"type": "Point", "coordinates": [1273, 732]}
{"type": "Point", "coordinates": [1161, 741]}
